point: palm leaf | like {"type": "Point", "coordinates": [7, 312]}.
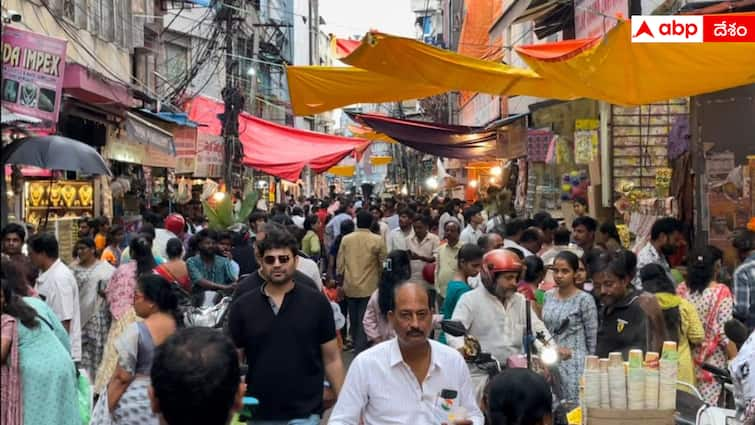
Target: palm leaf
{"type": "Point", "coordinates": [247, 206]}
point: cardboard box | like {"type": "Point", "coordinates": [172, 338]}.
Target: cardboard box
{"type": "Point", "coordinates": [629, 417]}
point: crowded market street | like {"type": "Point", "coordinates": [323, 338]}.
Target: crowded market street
{"type": "Point", "coordinates": [363, 212]}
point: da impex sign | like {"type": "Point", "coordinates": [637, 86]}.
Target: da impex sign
{"type": "Point", "coordinates": [693, 29]}
{"type": "Point", "coordinates": [33, 67]}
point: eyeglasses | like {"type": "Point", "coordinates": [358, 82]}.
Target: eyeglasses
{"type": "Point", "coordinates": [270, 259]}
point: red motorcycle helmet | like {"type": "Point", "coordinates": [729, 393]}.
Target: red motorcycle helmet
{"type": "Point", "coordinates": [428, 273]}
{"type": "Point", "coordinates": [501, 260]}
{"type": "Point", "coordinates": [175, 223]}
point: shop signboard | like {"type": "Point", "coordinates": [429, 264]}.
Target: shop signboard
{"type": "Point", "coordinates": [149, 134]}
{"type": "Point", "coordinates": [124, 150]}
{"type": "Point", "coordinates": [209, 162]}
{"type": "Point", "coordinates": [185, 139]}
{"type": "Point", "coordinates": [594, 18]}
{"type": "Point", "coordinates": [33, 68]}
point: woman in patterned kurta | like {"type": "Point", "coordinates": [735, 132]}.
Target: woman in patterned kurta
{"type": "Point", "coordinates": [579, 338]}
{"type": "Point", "coordinates": [120, 298]}
{"type": "Point", "coordinates": [715, 307]}
{"type": "Point", "coordinates": [92, 275]}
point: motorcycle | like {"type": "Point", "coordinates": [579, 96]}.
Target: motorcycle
{"type": "Point", "coordinates": [693, 410]}
{"type": "Point", "coordinates": [543, 361]}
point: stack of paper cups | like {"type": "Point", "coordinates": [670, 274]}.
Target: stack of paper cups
{"type": "Point", "coordinates": [669, 367]}
{"type": "Point", "coordinates": [605, 400]}
{"type": "Point", "coordinates": [651, 380]}
{"type": "Point", "coordinates": [617, 385]}
{"type": "Point", "coordinates": [592, 382]}
{"type": "Point", "coordinates": [635, 381]}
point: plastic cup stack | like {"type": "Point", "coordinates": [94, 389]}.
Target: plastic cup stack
{"type": "Point", "coordinates": [605, 399]}
{"type": "Point", "coordinates": [635, 381]}
{"type": "Point", "coordinates": [592, 382]}
{"type": "Point", "coordinates": [668, 370]}
{"type": "Point", "coordinates": [651, 380]}
{"type": "Point", "coordinates": [617, 386]}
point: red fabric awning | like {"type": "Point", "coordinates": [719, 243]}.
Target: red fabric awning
{"type": "Point", "coordinates": [344, 47]}
{"type": "Point", "coordinates": [276, 149]}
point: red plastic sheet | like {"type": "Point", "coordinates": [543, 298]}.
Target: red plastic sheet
{"type": "Point", "coordinates": [275, 149]}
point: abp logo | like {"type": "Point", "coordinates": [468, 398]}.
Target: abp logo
{"type": "Point", "coordinates": [667, 29]}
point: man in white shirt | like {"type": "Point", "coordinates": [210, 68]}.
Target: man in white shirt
{"type": "Point", "coordinates": [422, 247]}
{"type": "Point", "coordinates": [471, 233]}
{"type": "Point", "coordinates": [494, 312]}
{"type": "Point", "coordinates": [400, 381]}
{"type": "Point", "coordinates": [398, 237]}
{"type": "Point", "coordinates": [57, 287]}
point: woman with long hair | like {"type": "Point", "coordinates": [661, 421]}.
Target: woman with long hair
{"type": "Point", "coordinates": [571, 317]}
{"type": "Point", "coordinates": [126, 400]}
{"type": "Point", "coordinates": [92, 276]}
{"type": "Point", "coordinates": [310, 243]}
{"type": "Point", "coordinates": [120, 297]}
{"type": "Point", "coordinates": [396, 269]}
{"type": "Point", "coordinates": [38, 375]}
{"type": "Point", "coordinates": [680, 316]}
{"type": "Point", "coordinates": [715, 307]}
{"type": "Point", "coordinates": [174, 270]}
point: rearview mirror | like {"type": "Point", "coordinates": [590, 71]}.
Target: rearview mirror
{"type": "Point", "coordinates": [453, 327]}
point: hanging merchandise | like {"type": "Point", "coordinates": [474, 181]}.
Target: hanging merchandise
{"type": "Point", "coordinates": [586, 141]}
{"type": "Point", "coordinates": [538, 144]}
{"type": "Point", "coordinates": [183, 194]}
{"type": "Point", "coordinates": [550, 156]}
{"type": "Point", "coordinates": [562, 152]}
{"type": "Point", "coordinates": [574, 185]}
{"type": "Point", "coordinates": [662, 181]}
{"type": "Point", "coordinates": [147, 185]}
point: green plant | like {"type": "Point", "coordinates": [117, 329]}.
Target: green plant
{"type": "Point", "coordinates": [220, 214]}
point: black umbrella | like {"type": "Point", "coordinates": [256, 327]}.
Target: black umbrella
{"type": "Point", "coordinates": [55, 153]}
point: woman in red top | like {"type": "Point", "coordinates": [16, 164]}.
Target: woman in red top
{"type": "Point", "coordinates": [174, 270]}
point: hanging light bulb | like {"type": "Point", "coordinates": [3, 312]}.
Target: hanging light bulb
{"type": "Point", "coordinates": [496, 171]}
{"type": "Point", "coordinates": [473, 183]}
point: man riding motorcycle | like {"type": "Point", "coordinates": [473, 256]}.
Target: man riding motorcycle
{"type": "Point", "coordinates": [495, 313]}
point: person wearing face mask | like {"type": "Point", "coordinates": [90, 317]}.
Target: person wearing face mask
{"type": "Point", "coordinates": [494, 312]}
{"type": "Point", "coordinates": [665, 237]}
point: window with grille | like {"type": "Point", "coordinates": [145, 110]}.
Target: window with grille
{"type": "Point", "coordinates": [176, 61]}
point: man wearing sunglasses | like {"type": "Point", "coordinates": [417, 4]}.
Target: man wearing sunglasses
{"type": "Point", "coordinates": [287, 333]}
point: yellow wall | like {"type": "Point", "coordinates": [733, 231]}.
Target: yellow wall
{"type": "Point", "coordinates": [36, 18]}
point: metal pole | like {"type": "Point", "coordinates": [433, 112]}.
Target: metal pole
{"type": "Point", "coordinates": [233, 101]}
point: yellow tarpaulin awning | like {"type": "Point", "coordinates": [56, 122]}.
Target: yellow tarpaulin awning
{"type": "Point", "coordinates": [613, 69]}
{"type": "Point", "coordinates": [342, 170]}
{"type": "Point", "coordinates": [370, 134]}
{"type": "Point", "coordinates": [316, 89]}
{"type": "Point", "coordinates": [419, 63]}
{"type": "Point", "coordinates": [618, 71]}
{"type": "Point", "coordinates": [381, 160]}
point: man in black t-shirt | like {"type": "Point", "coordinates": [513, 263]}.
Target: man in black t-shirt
{"type": "Point", "coordinates": [287, 334]}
